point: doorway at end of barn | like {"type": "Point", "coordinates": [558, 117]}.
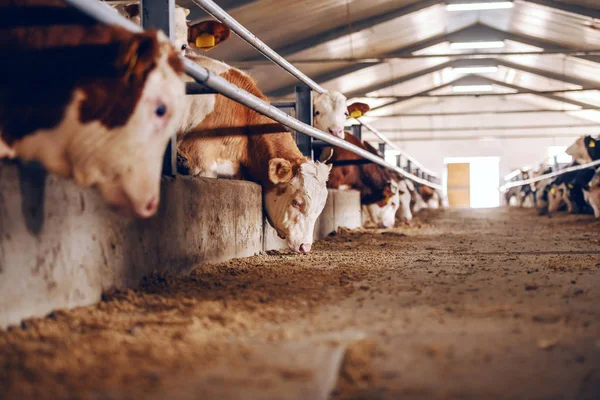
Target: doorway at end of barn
{"type": "Point", "coordinates": [472, 181]}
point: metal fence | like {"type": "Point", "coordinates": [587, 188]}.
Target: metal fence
{"type": "Point", "coordinates": [159, 14]}
{"type": "Point", "coordinates": [550, 175]}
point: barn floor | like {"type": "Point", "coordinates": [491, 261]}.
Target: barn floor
{"type": "Point", "coordinates": [464, 304]}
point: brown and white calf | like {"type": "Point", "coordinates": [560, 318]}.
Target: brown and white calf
{"type": "Point", "coordinates": [222, 138]}
{"type": "Point", "coordinates": [378, 189]}
{"type": "Point", "coordinates": [88, 101]}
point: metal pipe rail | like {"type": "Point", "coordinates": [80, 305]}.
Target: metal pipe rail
{"type": "Point", "coordinates": [528, 168]}
{"type": "Point", "coordinates": [103, 13]}
{"type": "Point", "coordinates": [387, 141]}
{"type": "Point", "coordinates": [220, 14]}
{"type": "Point", "coordinates": [529, 181]}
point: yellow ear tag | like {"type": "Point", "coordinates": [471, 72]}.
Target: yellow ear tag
{"type": "Point", "coordinates": [356, 114]}
{"type": "Point", "coordinates": [592, 144]}
{"type": "Point", "coordinates": [552, 190]}
{"type": "Point", "coordinates": [205, 41]}
{"type": "Point", "coordinates": [570, 185]}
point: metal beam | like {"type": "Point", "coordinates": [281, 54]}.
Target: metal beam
{"type": "Point", "coordinates": [492, 128]}
{"type": "Point", "coordinates": [492, 112]}
{"type": "Point", "coordinates": [396, 81]}
{"type": "Point", "coordinates": [419, 94]}
{"type": "Point", "coordinates": [496, 94]}
{"type": "Point", "coordinates": [572, 8]}
{"type": "Point", "coordinates": [472, 31]}
{"type": "Point", "coordinates": [331, 75]}
{"type": "Point", "coordinates": [354, 27]}
{"type": "Point", "coordinates": [399, 57]}
{"type": "Point", "coordinates": [548, 96]}
{"type": "Point", "coordinates": [486, 137]}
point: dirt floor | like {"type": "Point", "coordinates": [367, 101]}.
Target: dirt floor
{"type": "Point", "coordinates": [464, 304]}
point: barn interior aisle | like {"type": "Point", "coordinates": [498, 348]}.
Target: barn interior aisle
{"type": "Point", "coordinates": [494, 303]}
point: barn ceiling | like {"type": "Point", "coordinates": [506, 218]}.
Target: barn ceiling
{"type": "Point", "coordinates": [397, 55]}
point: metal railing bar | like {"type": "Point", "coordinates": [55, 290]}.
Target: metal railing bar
{"type": "Point", "coordinates": [511, 185]}
{"type": "Point", "coordinates": [395, 147]}
{"type": "Point", "coordinates": [284, 104]}
{"type": "Point", "coordinates": [399, 57]}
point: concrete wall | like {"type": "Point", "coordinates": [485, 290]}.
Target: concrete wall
{"type": "Point", "coordinates": [61, 247]}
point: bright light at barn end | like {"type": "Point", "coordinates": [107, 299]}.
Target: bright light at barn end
{"type": "Point", "coordinates": [492, 5]}
{"type": "Point", "coordinates": [471, 88]}
{"type": "Point", "coordinates": [475, 70]}
{"type": "Point", "coordinates": [494, 44]}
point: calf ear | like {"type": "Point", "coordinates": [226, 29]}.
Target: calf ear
{"type": "Point", "coordinates": [357, 110]}
{"type": "Point", "coordinates": [326, 154]}
{"type": "Point", "coordinates": [280, 170]}
{"type": "Point", "coordinates": [207, 34]}
{"type": "Point", "coordinates": [410, 185]}
{"type": "Point", "coordinates": [323, 172]}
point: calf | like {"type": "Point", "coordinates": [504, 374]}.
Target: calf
{"type": "Point", "coordinates": [222, 138]}
{"type": "Point", "coordinates": [378, 189]}
{"type": "Point", "coordinates": [88, 101]}
{"type": "Point", "coordinates": [558, 192]}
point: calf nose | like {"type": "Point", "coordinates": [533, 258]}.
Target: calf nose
{"type": "Point", "coordinates": [305, 248]}
{"type": "Point", "coordinates": [339, 132]}
{"type": "Point", "coordinates": [149, 209]}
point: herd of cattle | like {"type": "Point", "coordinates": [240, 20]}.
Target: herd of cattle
{"type": "Point", "coordinates": [98, 104]}
{"type": "Point", "coordinates": [576, 191]}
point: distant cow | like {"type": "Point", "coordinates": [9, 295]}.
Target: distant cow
{"type": "Point", "coordinates": [585, 149]}
{"type": "Point", "coordinates": [88, 101]}
{"type": "Point", "coordinates": [558, 196]}
{"type": "Point", "coordinates": [378, 190]}
{"type": "Point", "coordinates": [222, 138]}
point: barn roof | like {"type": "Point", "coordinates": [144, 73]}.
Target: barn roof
{"type": "Point", "coordinates": [397, 55]}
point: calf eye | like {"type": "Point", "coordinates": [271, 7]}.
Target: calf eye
{"type": "Point", "coordinates": [317, 113]}
{"type": "Point", "coordinates": [184, 46]}
{"type": "Point", "coordinates": [295, 203]}
{"type": "Point", "coordinates": [401, 192]}
{"type": "Point", "coordinates": [161, 110]}
{"type": "Point", "coordinates": [346, 113]}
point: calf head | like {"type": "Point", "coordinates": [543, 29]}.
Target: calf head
{"type": "Point", "coordinates": [404, 193]}
{"type": "Point", "coordinates": [330, 113]}
{"type": "Point", "coordinates": [115, 128]}
{"type": "Point", "coordinates": [294, 199]}
{"type": "Point", "coordinates": [583, 149]}
{"type": "Point", "coordinates": [203, 35]}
